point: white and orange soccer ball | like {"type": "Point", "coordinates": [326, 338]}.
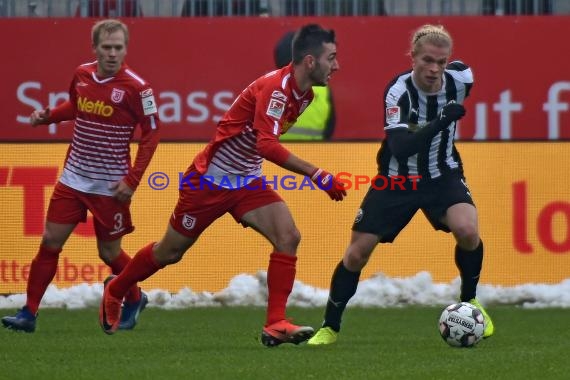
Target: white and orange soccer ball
{"type": "Point", "coordinates": [461, 325]}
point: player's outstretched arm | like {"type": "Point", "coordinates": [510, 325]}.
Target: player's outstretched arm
{"type": "Point", "coordinates": [323, 179]}
{"type": "Point", "coordinates": [404, 143]}
{"type": "Point", "coordinates": [270, 148]}
{"type": "Point", "coordinates": [62, 112]}
{"type": "Point", "coordinates": [40, 117]}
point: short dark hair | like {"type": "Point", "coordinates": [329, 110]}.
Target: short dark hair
{"type": "Point", "coordinates": [309, 40]}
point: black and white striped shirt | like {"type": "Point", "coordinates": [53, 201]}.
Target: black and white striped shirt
{"type": "Point", "coordinates": [406, 106]}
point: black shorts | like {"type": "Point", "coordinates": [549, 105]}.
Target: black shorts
{"type": "Point", "coordinates": [386, 212]}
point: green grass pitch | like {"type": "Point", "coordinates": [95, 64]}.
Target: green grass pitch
{"type": "Point", "coordinates": [223, 343]}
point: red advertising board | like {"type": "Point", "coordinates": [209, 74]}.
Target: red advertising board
{"type": "Point", "coordinates": [198, 66]}
{"type": "Point", "coordinates": [524, 219]}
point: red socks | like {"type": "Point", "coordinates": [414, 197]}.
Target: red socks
{"type": "Point", "coordinates": [120, 262]}
{"type": "Point", "coordinates": [280, 279]}
{"type": "Point", "coordinates": [142, 266]}
{"type": "Point", "coordinates": [42, 272]}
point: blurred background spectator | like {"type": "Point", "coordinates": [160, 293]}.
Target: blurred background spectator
{"type": "Point", "coordinates": [511, 7]}
{"type": "Point", "coordinates": [109, 8]}
{"type": "Point", "coordinates": [216, 8]}
{"type": "Point", "coordinates": [317, 122]}
{"type": "Point", "coordinates": [277, 8]}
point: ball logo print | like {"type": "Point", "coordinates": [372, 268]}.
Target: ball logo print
{"type": "Point", "coordinates": [461, 325]}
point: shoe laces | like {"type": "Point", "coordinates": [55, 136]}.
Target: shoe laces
{"type": "Point", "coordinates": [25, 313]}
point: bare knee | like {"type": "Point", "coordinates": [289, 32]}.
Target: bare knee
{"type": "Point", "coordinates": [288, 240]}
{"type": "Point", "coordinates": [106, 257]}
{"type": "Point", "coordinates": [55, 235]}
{"type": "Point", "coordinates": [172, 247]}
{"type": "Point", "coordinates": [52, 240]}
{"type": "Point", "coordinates": [467, 236]}
{"type": "Point", "coordinates": [356, 258]}
{"type": "Point", "coordinates": [359, 251]}
{"type": "Point", "coordinates": [108, 253]}
{"type": "Point", "coordinates": [167, 255]}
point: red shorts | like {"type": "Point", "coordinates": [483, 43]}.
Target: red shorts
{"type": "Point", "coordinates": [111, 218]}
{"type": "Point", "coordinates": [199, 207]}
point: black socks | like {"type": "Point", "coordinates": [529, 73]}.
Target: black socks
{"type": "Point", "coordinates": [343, 287]}
{"type": "Point", "coordinates": [469, 264]}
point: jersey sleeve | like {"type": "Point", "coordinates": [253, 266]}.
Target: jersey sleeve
{"type": "Point", "coordinates": [270, 107]}
{"type": "Point", "coordinates": [396, 109]}
{"type": "Point", "coordinates": [63, 112]}
{"type": "Point", "coordinates": [145, 107]}
{"type": "Point", "coordinates": [66, 110]}
{"type": "Point", "coordinates": [462, 73]}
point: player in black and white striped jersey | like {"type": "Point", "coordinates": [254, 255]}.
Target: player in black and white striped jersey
{"type": "Point", "coordinates": [408, 109]}
{"type": "Point", "coordinates": [422, 108]}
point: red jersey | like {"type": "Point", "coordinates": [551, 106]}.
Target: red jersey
{"type": "Point", "coordinates": [250, 130]}
{"type": "Point", "coordinates": [106, 112]}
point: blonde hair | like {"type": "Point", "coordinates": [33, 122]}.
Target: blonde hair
{"type": "Point", "coordinates": [431, 34]}
{"type": "Point", "coordinates": [108, 26]}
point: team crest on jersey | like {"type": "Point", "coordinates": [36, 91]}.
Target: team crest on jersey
{"type": "Point", "coordinates": [117, 95]}
{"type": "Point", "coordinates": [188, 222]}
{"type": "Point", "coordinates": [392, 115]}
{"type": "Point", "coordinates": [276, 108]}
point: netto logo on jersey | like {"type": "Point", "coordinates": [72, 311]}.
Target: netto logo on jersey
{"type": "Point", "coordinates": [98, 108]}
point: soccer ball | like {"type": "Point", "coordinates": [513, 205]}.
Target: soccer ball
{"type": "Point", "coordinates": [461, 325]}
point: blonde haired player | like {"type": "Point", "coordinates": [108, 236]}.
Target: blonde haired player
{"type": "Point", "coordinates": [108, 101]}
{"type": "Point", "coordinates": [422, 107]}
